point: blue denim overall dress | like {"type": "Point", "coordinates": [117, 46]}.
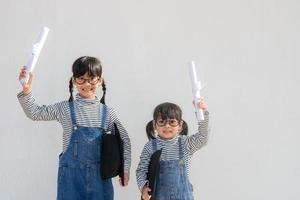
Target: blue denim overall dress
{"type": "Point", "coordinates": [79, 166]}
{"type": "Point", "coordinates": [173, 182]}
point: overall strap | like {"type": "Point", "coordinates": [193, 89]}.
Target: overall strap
{"type": "Point", "coordinates": [154, 145]}
{"type": "Point", "coordinates": [180, 148]}
{"type": "Point", "coordinates": [72, 112]}
{"type": "Point", "coordinates": [103, 116]}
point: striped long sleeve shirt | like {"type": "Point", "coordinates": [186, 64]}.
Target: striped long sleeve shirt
{"type": "Point", "coordinates": [170, 150]}
{"type": "Point", "coordinates": [88, 114]}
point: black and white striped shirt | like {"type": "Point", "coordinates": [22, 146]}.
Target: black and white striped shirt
{"type": "Point", "coordinates": [170, 150]}
{"type": "Point", "coordinates": [88, 114]}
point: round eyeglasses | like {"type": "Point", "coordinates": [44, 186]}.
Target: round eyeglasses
{"type": "Point", "coordinates": [171, 122]}
{"type": "Point", "coordinates": [90, 80]}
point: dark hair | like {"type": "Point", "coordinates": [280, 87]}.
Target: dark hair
{"type": "Point", "coordinates": [166, 111]}
{"type": "Point", "coordinates": [91, 66]}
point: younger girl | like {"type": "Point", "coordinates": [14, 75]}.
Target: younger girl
{"type": "Point", "coordinates": [168, 132]}
{"type": "Point", "coordinates": [84, 119]}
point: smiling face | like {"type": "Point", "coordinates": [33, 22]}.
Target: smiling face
{"type": "Point", "coordinates": [87, 85]}
{"type": "Point", "coordinates": [87, 73]}
{"type": "Point", "coordinates": [168, 128]}
{"type": "Point", "coordinates": [167, 121]}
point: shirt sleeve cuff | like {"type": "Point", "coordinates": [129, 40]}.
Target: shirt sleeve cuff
{"type": "Point", "coordinates": [22, 95]}
{"type": "Point", "coordinates": [143, 184]}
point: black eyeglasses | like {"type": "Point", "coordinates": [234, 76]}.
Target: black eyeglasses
{"type": "Point", "coordinates": [90, 80]}
{"type": "Point", "coordinates": [171, 122]}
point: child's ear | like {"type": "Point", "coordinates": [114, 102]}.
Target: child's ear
{"type": "Point", "coordinates": [100, 81]}
{"type": "Point", "coordinates": [181, 126]}
{"type": "Point", "coordinates": [153, 123]}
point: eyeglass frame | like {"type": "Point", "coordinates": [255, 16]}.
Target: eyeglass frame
{"type": "Point", "coordinates": [165, 122]}
{"type": "Point", "coordinates": [89, 80]}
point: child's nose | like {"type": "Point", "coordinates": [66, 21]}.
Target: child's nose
{"type": "Point", "coordinates": [86, 83]}
{"type": "Point", "coordinates": [167, 124]}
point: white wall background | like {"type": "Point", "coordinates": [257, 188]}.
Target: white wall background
{"type": "Point", "coordinates": [247, 51]}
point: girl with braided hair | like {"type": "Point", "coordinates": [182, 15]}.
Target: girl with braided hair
{"type": "Point", "coordinates": [84, 119]}
{"type": "Point", "coordinates": [168, 133]}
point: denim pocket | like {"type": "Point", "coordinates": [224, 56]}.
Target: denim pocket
{"type": "Point", "coordinates": [61, 182]}
{"type": "Point", "coordinates": [61, 173]}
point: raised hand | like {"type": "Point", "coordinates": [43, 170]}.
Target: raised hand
{"type": "Point", "coordinates": [27, 87]}
{"type": "Point", "coordinates": [201, 104]}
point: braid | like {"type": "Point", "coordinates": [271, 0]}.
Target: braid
{"type": "Point", "coordinates": [71, 90]}
{"type": "Point", "coordinates": [185, 128]}
{"type": "Point", "coordinates": [102, 100]}
{"type": "Point", "coordinates": [150, 130]}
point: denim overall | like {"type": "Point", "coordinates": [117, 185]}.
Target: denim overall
{"type": "Point", "coordinates": [173, 182]}
{"type": "Point", "coordinates": [79, 166]}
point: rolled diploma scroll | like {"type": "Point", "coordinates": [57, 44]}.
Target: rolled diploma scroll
{"type": "Point", "coordinates": [36, 50]}
{"type": "Point", "coordinates": [196, 87]}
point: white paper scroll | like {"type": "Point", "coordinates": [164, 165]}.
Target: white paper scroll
{"type": "Point", "coordinates": [36, 50]}
{"type": "Point", "coordinates": [196, 87]}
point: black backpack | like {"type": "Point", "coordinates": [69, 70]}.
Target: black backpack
{"type": "Point", "coordinates": [112, 159]}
